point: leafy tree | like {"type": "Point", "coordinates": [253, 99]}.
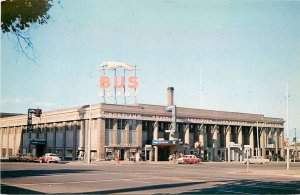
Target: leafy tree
{"type": "Point", "coordinates": [17, 16]}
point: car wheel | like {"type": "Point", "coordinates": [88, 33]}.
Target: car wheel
{"type": "Point", "coordinates": [48, 161]}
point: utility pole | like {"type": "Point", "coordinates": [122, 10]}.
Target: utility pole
{"type": "Point", "coordinates": [287, 129]}
{"type": "Point", "coordinates": [200, 88]}
{"type": "Point", "coordinates": [89, 135]}
{"type": "Point", "coordinates": [295, 151]}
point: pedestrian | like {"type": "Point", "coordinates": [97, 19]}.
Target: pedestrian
{"type": "Point", "coordinates": [82, 156]}
{"type": "Point", "coordinates": [117, 158]}
{"type": "Point", "coordinates": [138, 157]}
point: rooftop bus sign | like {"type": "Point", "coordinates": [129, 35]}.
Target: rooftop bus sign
{"type": "Point", "coordinates": [118, 79]}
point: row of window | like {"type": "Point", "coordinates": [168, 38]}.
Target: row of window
{"type": "Point", "coordinates": [121, 123]}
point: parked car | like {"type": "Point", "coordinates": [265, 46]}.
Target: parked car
{"type": "Point", "coordinates": [49, 157]}
{"type": "Point", "coordinates": [28, 157]}
{"type": "Point", "coordinates": [256, 159]}
{"type": "Point", "coordinates": [16, 157]}
{"type": "Point", "coordinates": [109, 157]}
{"type": "Point", "coordinates": [188, 159]}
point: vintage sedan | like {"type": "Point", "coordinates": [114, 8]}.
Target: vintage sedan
{"type": "Point", "coordinates": [188, 159]}
{"type": "Point", "coordinates": [49, 157]}
{"type": "Point", "coordinates": [256, 159]}
{"type": "Point", "coordinates": [28, 157]}
{"type": "Point", "coordinates": [16, 157]}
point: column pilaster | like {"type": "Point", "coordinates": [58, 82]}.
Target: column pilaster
{"type": "Point", "coordinates": [282, 144]}
{"type": "Point", "coordinates": [1, 140]}
{"type": "Point", "coordinates": [276, 143]}
{"type": "Point", "coordinates": [263, 142]}
{"type": "Point", "coordinates": [115, 129]}
{"type": "Point", "coordinates": [15, 140]}
{"type": "Point", "coordinates": [139, 129]}
{"type": "Point", "coordinates": [228, 131]}
{"type": "Point", "coordinates": [201, 140]}
{"type": "Point", "coordinates": [7, 145]}
{"type": "Point", "coordinates": [251, 140]}
{"type": "Point", "coordinates": [127, 140]}
{"type": "Point", "coordinates": [74, 129]}
{"type": "Point", "coordinates": [187, 134]}
{"type": "Point", "coordinates": [215, 144]}
{"type": "Point", "coordinates": [86, 139]}
{"type": "Point", "coordinates": [53, 129]}
{"type": "Point", "coordinates": [240, 141]}
{"type": "Point", "coordinates": [101, 139]}
{"type": "Point", "coordinates": [81, 135]}
{"type": "Point", "coordinates": [155, 137]}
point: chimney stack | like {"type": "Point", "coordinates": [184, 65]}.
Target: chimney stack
{"type": "Point", "coordinates": [170, 100]}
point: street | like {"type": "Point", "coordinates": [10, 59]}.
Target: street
{"type": "Point", "coordinates": [149, 178]}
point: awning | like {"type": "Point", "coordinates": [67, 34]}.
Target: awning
{"type": "Point", "coordinates": [38, 142]}
{"type": "Point", "coordinates": [166, 142]}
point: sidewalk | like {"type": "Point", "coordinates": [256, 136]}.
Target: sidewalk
{"type": "Point", "coordinates": [121, 162]}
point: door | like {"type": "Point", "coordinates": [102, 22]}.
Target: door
{"type": "Point", "coordinates": [122, 154]}
{"type": "Point", "coordinates": [40, 150]}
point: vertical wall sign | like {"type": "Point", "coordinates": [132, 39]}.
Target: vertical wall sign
{"type": "Point", "coordinates": [118, 81]}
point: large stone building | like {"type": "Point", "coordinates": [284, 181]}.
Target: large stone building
{"type": "Point", "coordinates": [143, 128]}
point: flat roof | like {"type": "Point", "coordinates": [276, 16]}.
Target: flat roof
{"type": "Point", "coordinates": [144, 110]}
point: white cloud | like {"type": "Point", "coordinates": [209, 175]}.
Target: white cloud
{"type": "Point", "coordinates": [16, 100]}
{"type": "Point", "coordinates": [45, 104]}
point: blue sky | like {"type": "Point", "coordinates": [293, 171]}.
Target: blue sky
{"type": "Point", "coordinates": [220, 55]}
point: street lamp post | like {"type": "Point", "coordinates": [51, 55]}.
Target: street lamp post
{"type": "Point", "coordinates": [295, 148]}
{"type": "Point", "coordinates": [287, 129]}
{"type": "Point", "coordinates": [89, 136]}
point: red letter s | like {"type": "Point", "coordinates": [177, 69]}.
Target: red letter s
{"type": "Point", "coordinates": [132, 82]}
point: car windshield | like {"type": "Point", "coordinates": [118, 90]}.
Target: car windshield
{"type": "Point", "coordinates": [52, 155]}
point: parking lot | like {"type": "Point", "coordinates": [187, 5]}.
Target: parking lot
{"type": "Point", "coordinates": [149, 178]}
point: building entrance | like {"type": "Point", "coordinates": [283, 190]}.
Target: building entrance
{"type": "Point", "coordinates": [39, 147]}
{"type": "Point", "coordinates": [122, 154]}
{"type": "Point", "coordinates": [163, 153]}
{"type": "Point", "coordinates": [40, 150]}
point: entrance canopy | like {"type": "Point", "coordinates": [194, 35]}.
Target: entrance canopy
{"type": "Point", "coordinates": [166, 142]}
{"type": "Point", "coordinates": [38, 142]}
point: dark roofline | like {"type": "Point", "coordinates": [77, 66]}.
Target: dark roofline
{"type": "Point", "coordinates": [6, 114]}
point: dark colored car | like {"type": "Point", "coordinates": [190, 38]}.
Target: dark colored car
{"type": "Point", "coordinates": [16, 157]}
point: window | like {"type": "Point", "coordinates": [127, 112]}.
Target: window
{"type": "Point", "coordinates": [121, 124]}
{"type": "Point", "coordinates": [222, 137]}
{"type": "Point", "coordinates": [109, 123]}
{"type": "Point", "coordinates": [145, 126]}
{"type": "Point", "coordinates": [132, 124]}
{"type": "Point", "coordinates": [209, 137]}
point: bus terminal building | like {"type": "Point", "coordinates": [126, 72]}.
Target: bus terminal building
{"type": "Point", "coordinates": [145, 129]}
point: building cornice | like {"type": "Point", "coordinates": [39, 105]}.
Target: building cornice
{"type": "Point", "coordinates": [146, 112]}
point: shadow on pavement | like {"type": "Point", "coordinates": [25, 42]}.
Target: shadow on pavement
{"type": "Point", "coordinates": [6, 189]}
{"type": "Point", "coordinates": [26, 173]}
{"type": "Point", "coordinates": [153, 187]}
{"type": "Point", "coordinates": [250, 187]}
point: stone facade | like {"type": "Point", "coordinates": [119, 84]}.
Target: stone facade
{"type": "Point", "coordinates": [126, 130]}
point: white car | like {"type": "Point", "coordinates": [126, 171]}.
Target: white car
{"type": "Point", "coordinates": [256, 159]}
{"type": "Point", "coordinates": [49, 157]}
